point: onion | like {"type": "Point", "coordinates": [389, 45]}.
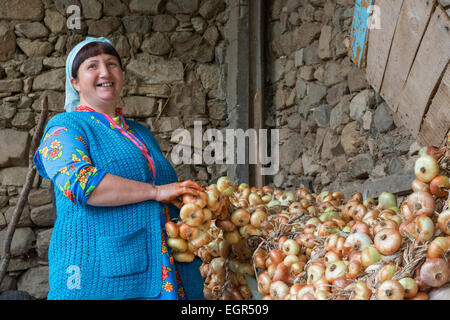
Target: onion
{"type": "Point", "coordinates": [426, 168]}
{"type": "Point", "coordinates": [240, 217]}
{"type": "Point", "coordinates": [331, 257]}
{"type": "Point", "coordinates": [439, 186]}
{"type": "Point", "coordinates": [335, 270]}
{"type": "Point", "coordinates": [439, 248]}
{"type": "Point", "coordinates": [290, 247]}
{"type": "Point", "coordinates": [421, 202]}
{"type": "Point", "coordinates": [187, 232]}
{"type": "Point", "coordinates": [369, 256]}
{"type": "Point", "coordinates": [424, 228]}
{"type": "Point", "coordinates": [276, 256]}
{"type": "Point", "coordinates": [435, 272]}
{"type": "Point", "coordinates": [362, 291]}
{"type": "Point", "coordinates": [225, 225]}
{"type": "Point", "coordinates": [290, 259]}
{"type": "Point", "coordinates": [281, 273]}
{"type": "Point", "coordinates": [432, 151]}
{"type": "Point", "coordinates": [387, 200]}
{"type": "Point", "coordinates": [354, 269]}
{"type": "Point", "coordinates": [192, 214]}
{"type": "Point", "coordinates": [225, 185]}
{"type": "Point", "coordinates": [184, 256]}
{"type": "Point", "coordinates": [177, 244]}
{"type": "Point", "coordinates": [322, 284]}
{"type": "Point", "coordinates": [232, 237]}
{"type": "Point", "coordinates": [408, 228]}
{"type": "Point", "coordinates": [172, 229]}
{"type": "Point", "coordinates": [421, 296]}
{"type": "Point", "coordinates": [357, 241]}
{"type": "Point", "coordinates": [200, 200]}
{"type": "Point", "coordinates": [418, 185]}
{"type": "Point", "coordinates": [296, 268]}
{"type": "Point", "coordinates": [390, 290]}
{"type": "Point", "coordinates": [406, 213]}
{"type": "Point", "coordinates": [314, 273]}
{"type": "Point", "coordinates": [388, 241]}
{"type": "Point", "coordinates": [360, 227]}
{"type": "Point", "coordinates": [306, 293]}
{"type": "Point", "coordinates": [279, 290]}
{"type": "Point", "coordinates": [384, 224]}
{"type": "Point", "coordinates": [410, 287]}
{"type": "Point", "coordinates": [444, 221]}
{"type": "Point", "coordinates": [387, 271]}
{"type": "Point", "coordinates": [245, 292]}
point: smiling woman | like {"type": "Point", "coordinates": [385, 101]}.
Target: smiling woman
{"type": "Point", "coordinates": [114, 192]}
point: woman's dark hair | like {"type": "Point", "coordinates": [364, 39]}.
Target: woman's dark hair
{"type": "Point", "coordinates": [93, 49]}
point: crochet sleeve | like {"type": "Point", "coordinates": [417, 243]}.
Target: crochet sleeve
{"type": "Point", "coordinates": [63, 157]}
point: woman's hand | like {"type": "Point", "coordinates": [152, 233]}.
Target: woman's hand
{"type": "Point", "coordinates": [169, 193]}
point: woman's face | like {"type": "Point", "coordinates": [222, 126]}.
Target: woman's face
{"type": "Point", "coordinates": [99, 81]}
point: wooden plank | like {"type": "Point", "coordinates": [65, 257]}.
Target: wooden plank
{"type": "Point", "coordinates": [411, 25]}
{"type": "Point", "coordinates": [437, 120]}
{"type": "Point", "coordinates": [358, 36]}
{"type": "Point", "coordinates": [426, 72]}
{"type": "Point", "coordinates": [380, 41]}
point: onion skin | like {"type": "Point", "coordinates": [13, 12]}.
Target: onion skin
{"type": "Point", "coordinates": [435, 272]}
{"type": "Point", "coordinates": [390, 290]}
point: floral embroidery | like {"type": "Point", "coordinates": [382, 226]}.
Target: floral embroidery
{"type": "Point", "coordinates": [168, 286]}
{"type": "Point", "coordinates": [81, 139]}
{"type": "Point", "coordinates": [165, 272]}
{"type": "Point", "coordinates": [181, 292]}
{"type": "Point", "coordinates": [67, 192]}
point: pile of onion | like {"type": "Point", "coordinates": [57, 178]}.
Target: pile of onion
{"type": "Point", "coordinates": [305, 246]}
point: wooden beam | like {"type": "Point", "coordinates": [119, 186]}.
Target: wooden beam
{"type": "Point", "coordinates": [437, 120]}
{"type": "Point", "coordinates": [380, 41]}
{"type": "Point", "coordinates": [427, 70]}
{"type": "Point", "coordinates": [411, 25]}
{"type": "Point", "coordinates": [256, 82]}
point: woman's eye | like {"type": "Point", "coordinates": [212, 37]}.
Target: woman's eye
{"type": "Point", "coordinates": [112, 64]}
{"type": "Point", "coordinates": [91, 66]}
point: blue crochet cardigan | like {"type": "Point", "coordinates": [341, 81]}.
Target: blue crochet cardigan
{"type": "Point", "coordinates": [114, 251]}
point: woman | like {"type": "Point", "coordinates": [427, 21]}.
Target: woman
{"type": "Point", "coordinates": [114, 192]}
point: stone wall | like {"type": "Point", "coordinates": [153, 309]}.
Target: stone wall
{"type": "Point", "coordinates": [174, 55]}
{"type": "Point", "coordinates": [336, 133]}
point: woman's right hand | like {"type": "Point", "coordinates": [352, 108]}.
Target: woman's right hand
{"type": "Point", "coordinates": [169, 193]}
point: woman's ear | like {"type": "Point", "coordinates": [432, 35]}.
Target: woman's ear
{"type": "Point", "coordinates": [74, 82]}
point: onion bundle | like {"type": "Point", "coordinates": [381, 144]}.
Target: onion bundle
{"type": "Point", "coordinates": [306, 246]}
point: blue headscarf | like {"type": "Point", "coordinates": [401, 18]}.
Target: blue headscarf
{"type": "Point", "coordinates": [72, 97]}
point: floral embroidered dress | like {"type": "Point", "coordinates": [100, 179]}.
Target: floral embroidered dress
{"type": "Point", "coordinates": [74, 174]}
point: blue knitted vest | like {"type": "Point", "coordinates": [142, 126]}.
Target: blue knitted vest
{"type": "Point", "coordinates": [113, 252]}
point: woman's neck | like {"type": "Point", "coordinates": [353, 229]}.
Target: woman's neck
{"type": "Point", "coordinates": [109, 109]}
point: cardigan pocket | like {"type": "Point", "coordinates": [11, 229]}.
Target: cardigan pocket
{"type": "Point", "coordinates": [123, 255]}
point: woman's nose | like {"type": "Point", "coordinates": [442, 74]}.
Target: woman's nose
{"type": "Point", "coordinates": [104, 70]}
